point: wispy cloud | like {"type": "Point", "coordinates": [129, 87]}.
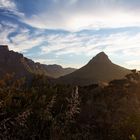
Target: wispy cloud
{"type": "Point", "coordinates": [81, 14]}
{"type": "Point", "coordinates": [25, 41]}
{"type": "Point", "coordinates": [22, 40]}
{"type": "Point", "coordinates": [76, 15]}
{"type": "Point", "coordinates": [86, 43]}
{"type": "Point", "coordinates": [46, 61]}
{"type": "Point", "coordinates": [7, 4]}
{"type": "Point", "coordinates": [9, 8]}
{"type": "Point", "coordinates": [5, 30]}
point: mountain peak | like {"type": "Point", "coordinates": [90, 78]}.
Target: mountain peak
{"type": "Point", "coordinates": [99, 69]}
{"type": "Point", "coordinates": [100, 57]}
{"type": "Point", "coordinates": [101, 54]}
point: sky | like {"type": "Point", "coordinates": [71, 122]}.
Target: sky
{"type": "Point", "coordinates": [71, 32]}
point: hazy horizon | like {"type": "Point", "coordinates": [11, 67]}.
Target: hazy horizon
{"type": "Point", "coordinates": [70, 33]}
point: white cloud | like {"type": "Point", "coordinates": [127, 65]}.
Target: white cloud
{"type": "Point", "coordinates": [124, 43]}
{"type": "Point", "coordinates": [9, 8]}
{"type": "Point", "coordinates": [24, 41]}
{"type": "Point", "coordinates": [70, 44]}
{"type": "Point", "coordinates": [79, 14]}
{"type": "Point", "coordinates": [82, 15]}
{"type": "Point", "coordinates": [7, 4]}
{"type": "Point", "coordinates": [45, 61]}
{"type": "Point", "coordinates": [86, 43]}
{"type": "Point", "coordinates": [6, 28]}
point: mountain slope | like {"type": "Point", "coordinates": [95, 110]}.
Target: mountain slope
{"type": "Point", "coordinates": [13, 62]}
{"type": "Point", "coordinates": [56, 70]}
{"type": "Point", "coordinates": [99, 69]}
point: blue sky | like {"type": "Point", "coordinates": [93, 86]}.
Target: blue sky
{"type": "Point", "coordinates": [71, 32]}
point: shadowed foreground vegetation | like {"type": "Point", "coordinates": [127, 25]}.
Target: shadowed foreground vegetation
{"type": "Point", "coordinates": [41, 110]}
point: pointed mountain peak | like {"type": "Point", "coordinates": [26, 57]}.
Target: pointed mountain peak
{"type": "Point", "coordinates": [101, 54]}
{"type": "Point", "coordinates": [101, 57]}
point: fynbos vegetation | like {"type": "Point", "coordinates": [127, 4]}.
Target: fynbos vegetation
{"type": "Point", "coordinates": [41, 111]}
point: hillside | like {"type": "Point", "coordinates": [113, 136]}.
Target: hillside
{"type": "Point", "coordinates": [44, 111]}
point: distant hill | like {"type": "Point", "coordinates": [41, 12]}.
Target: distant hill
{"type": "Point", "coordinates": [13, 62]}
{"type": "Point", "coordinates": [56, 70]}
{"type": "Point", "coordinates": [99, 69]}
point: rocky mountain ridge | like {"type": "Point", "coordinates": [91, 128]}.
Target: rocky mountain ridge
{"type": "Point", "coordinates": [13, 62]}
